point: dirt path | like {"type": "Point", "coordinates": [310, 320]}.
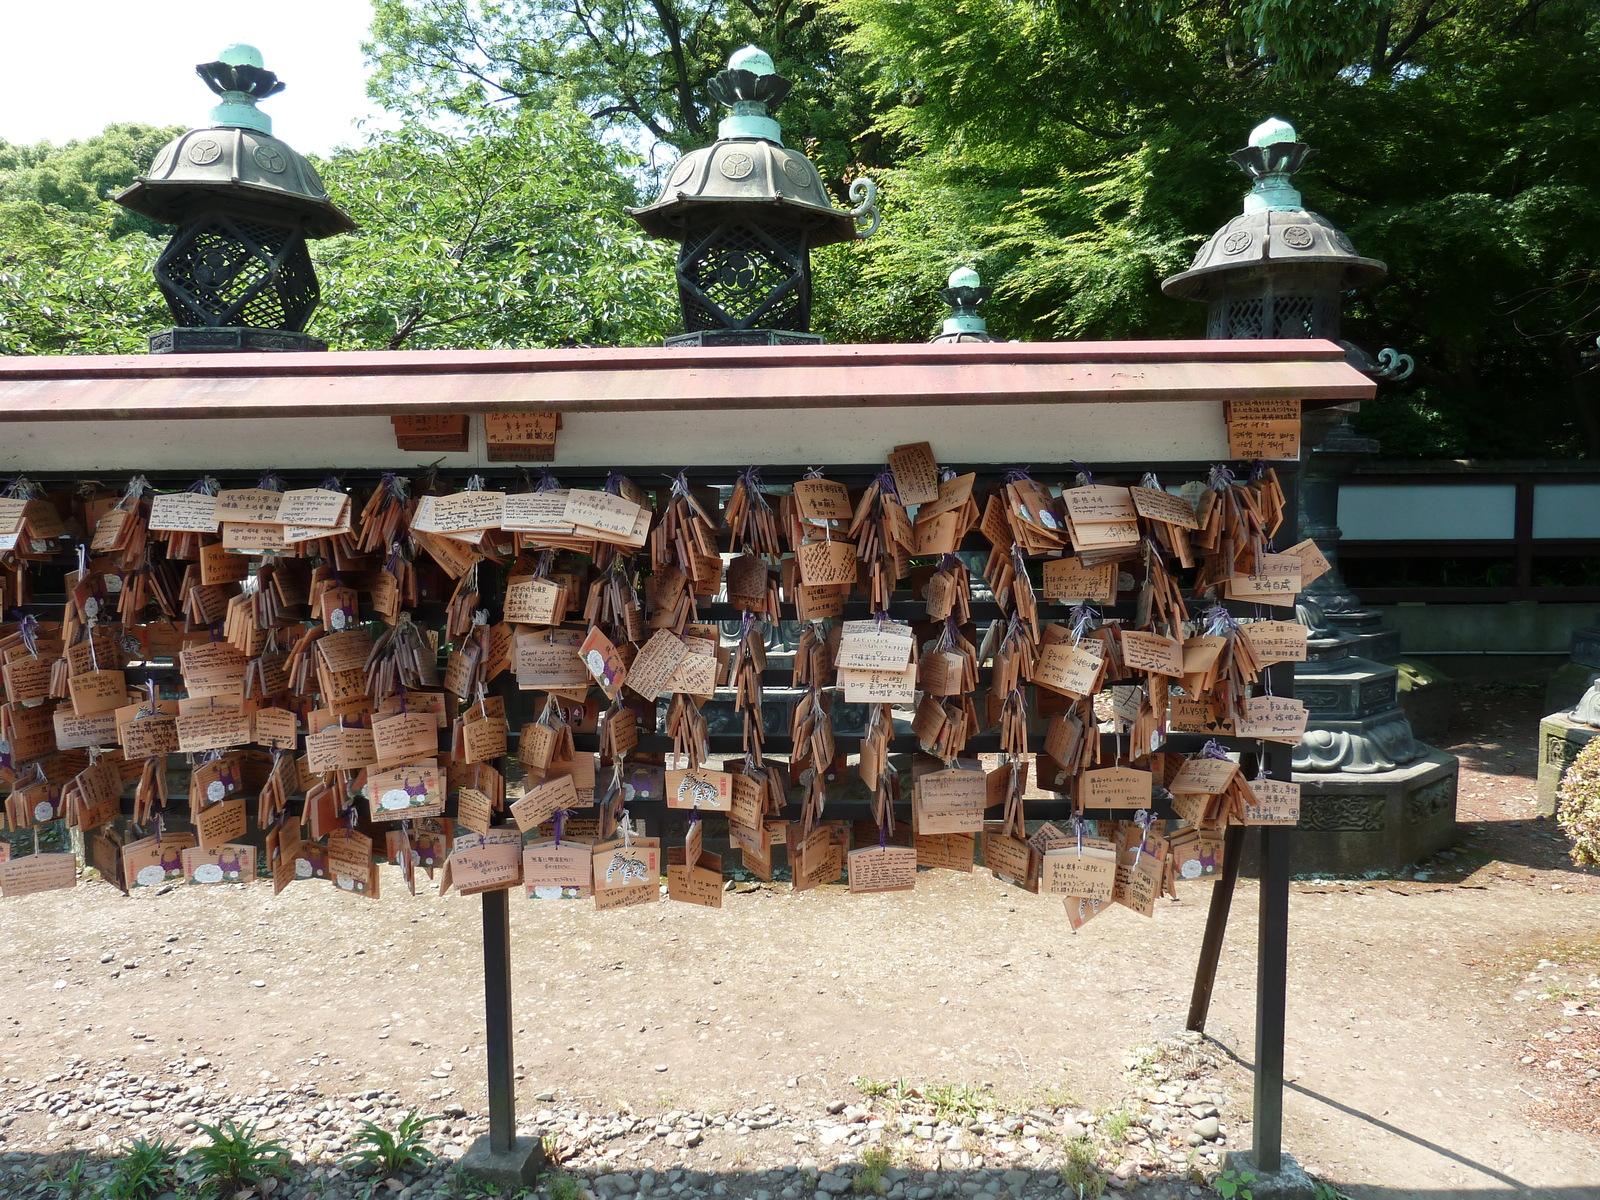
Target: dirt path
{"type": "Point", "coordinates": [1411, 1007]}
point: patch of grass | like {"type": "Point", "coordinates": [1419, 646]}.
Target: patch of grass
{"type": "Point", "coordinates": [461, 1186]}
{"type": "Point", "coordinates": [1081, 1172]}
{"type": "Point", "coordinates": [1561, 991]}
{"type": "Point", "coordinates": [872, 1089]}
{"type": "Point", "coordinates": [1146, 1059]}
{"type": "Point", "coordinates": [236, 1159]}
{"type": "Point", "coordinates": [74, 1184]}
{"type": "Point", "coordinates": [1173, 1059]}
{"type": "Point", "coordinates": [551, 1145]}
{"type": "Point", "coordinates": [875, 1162]}
{"type": "Point", "coordinates": [1056, 1097]}
{"type": "Point", "coordinates": [379, 1151]}
{"type": "Point", "coordinates": [146, 1169]}
{"type": "Point", "coordinates": [957, 1100]}
{"type": "Point", "coordinates": [941, 1101]}
{"type": "Point", "coordinates": [564, 1186]}
{"type": "Point", "coordinates": [1563, 952]}
{"type": "Point", "coordinates": [1116, 1125]}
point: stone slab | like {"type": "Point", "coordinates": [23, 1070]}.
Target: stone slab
{"type": "Point", "coordinates": [1382, 645]}
{"type": "Point", "coordinates": [1373, 641]}
{"type": "Point", "coordinates": [1354, 688]}
{"type": "Point", "coordinates": [1560, 739]}
{"type": "Point", "coordinates": [1586, 645]}
{"type": "Point", "coordinates": [509, 1171]}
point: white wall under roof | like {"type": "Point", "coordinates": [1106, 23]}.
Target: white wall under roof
{"type": "Point", "coordinates": [1153, 431]}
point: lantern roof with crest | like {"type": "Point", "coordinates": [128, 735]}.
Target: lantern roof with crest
{"type": "Point", "coordinates": [235, 163]}
{"type": "Point", "coordinates": [1275, 226]}
{"type": "Point", "coordinates": [748, 166]}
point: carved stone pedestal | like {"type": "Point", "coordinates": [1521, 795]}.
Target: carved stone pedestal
{"type": "Point", "coordinates": [1353, 824]}
{"type": "Point", "coordinates": [1355, 721]}
{"type": "Point", "coordinates": [1560, 739]}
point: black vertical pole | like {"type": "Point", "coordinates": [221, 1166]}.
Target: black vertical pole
{"type": "Point", "coordinates": [497, 1020]}
{"type": "Point", "coordinates": [1205, 975]}
{"type": "Point", "coordinates": [497, 962]}
{"type": "Point", "coordinates": [1272, 936]}
{"type": "Point", "coordinates": [502, 1158]}
{"type": "Point", "coordinates": [1272, 966]}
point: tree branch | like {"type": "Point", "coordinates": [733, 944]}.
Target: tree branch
{"type": "Point", "coordinates": [1110, 135]}
{"type": "Point", "coordinates": [1420, 28]}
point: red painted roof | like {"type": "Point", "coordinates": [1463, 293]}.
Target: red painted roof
{"type": "Point", "coordinates": [165, 387]}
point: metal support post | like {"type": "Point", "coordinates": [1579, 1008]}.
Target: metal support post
{"type": "Point", "coordinates": [1272, 969]}
{"type": "Point", "coordinates": [497, 1020]}
{"type": "Point", "coordinates": [501, 1158]}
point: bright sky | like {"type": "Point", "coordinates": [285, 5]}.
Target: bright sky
{"type": "Point", "coordinates": [67, 72]}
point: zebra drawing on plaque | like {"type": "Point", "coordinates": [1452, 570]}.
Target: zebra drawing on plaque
{"type": "Point", "coordinates": [696, 790]}
{"type": "Point", "coordinates": [628, 867]}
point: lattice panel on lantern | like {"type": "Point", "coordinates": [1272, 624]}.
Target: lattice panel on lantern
{"type": "Point", "coordinates": [1293, 316]}
{"type": "Point", "coordinates": [219, 271]}
{"type": "Point", "coordinates": [738, 276]}
{"type": "Point", "coordinates": [1244, 319]}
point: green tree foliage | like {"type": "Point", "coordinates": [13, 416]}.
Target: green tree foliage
{"type": "Point", "coordinates": [81, 175]}
{"type": "Point", "coordinates": [507, 233]}
{"type": "Point", "coordinates": [75, 268]}
{"type": "Point", "coordinates": [1074, 150]}
{"type": "Point", "coordinates": [636, 66]}
{"type": "Point", "coordinates": [503, 232]}
{"type": "Point", "coordinates": [70, 285]}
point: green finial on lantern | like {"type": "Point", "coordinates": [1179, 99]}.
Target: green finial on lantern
{"type": "Point", "coordinates": [964, 277]}
{"type": "Point", "coordinates": [964, 294]}
{"type": "Point", "coordinates": [753, 59]}
{"type": "Point", "coordinates": [238, 77]}
{"type": "Point", "coordinates": [1271, 132]}
{"type": "Point", "coordinates": [1274, 154]}
{"type": "Point", "coordinates": [749, 86]}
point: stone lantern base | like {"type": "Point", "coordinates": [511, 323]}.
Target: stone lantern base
{"type": "Point", "coordinates": [1352, 824]}
{"type": "Point", "coordinates": [230, 339]}
{"type": "Point", "coordinates": [1560, 739]}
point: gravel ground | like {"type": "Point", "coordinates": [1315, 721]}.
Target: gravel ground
{"type": "Point", "coordinates": [1442, 1031]}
